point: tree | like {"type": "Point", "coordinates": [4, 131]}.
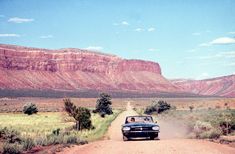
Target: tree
{"type": "Point", "coordinates": [103, 105]}
{"type": "Point", "coordinates": [30, 109]}
{"type": "Point", "coordinates": [82, 115]}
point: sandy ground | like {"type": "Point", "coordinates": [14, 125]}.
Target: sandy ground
{"type": "Point", "coordinates": [170, 142]}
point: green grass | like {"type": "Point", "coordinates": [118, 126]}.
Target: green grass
{"type": "Point", "coordinates": [34, 125]}
{"type": "Point", "coordinates": [43, 124]}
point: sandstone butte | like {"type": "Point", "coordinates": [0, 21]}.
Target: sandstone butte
{"type": "Point", "coordinates": [72, 69]}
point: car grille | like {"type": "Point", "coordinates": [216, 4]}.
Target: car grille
{"type": "Point", "coordinates": [141, 128]}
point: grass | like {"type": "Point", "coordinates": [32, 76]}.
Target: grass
{"type": "Point", "coordinates": [34, 125]}
{"type": "Point", "coordinates": [101, 126]}
{"type": "Point", "coordinates": [43, 124]}
{"type": "Point", "coordinates": [37, 129]}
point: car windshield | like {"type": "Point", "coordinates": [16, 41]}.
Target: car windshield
{"type": "Point", "coordinates": [139, 119]}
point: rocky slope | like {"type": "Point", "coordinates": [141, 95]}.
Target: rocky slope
{"type": "Point", "coordinates": [75, 69]}
{"type": "Point", "coordinates": [24, 69]}
{"type": "Point", "coordinates": [221, 86]}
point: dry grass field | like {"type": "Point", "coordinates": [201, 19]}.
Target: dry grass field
{"type": "Point", "coordinates": [52, 104]}
{"type": "Point", "coordinates": [184, 103]}
{"type": "Point", "coordinates": [56, 104]}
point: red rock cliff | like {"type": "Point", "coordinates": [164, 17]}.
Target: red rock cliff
{"type": "Point", "coordinates": [68, 69]}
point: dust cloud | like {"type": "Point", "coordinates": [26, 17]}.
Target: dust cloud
{"type": "Point", "coordinates": [172, 129]}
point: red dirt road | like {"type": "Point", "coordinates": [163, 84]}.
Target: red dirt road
{"type": "Point", "coordinates": [168, 143]}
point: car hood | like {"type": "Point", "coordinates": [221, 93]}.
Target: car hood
{"type": "Point", "coordinates": [140, 124]}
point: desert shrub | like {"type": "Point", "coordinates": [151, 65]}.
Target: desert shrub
{"type": "Point", "coordinates": [62, 138]}
{"type": "Point", "coordinates": [150, 109]}
{"type": "Point", "coordinates": [191, 108]}
{"type": "Point", "coordinates": [28, 143]}
{"type": "Point", "coordinates": [10, 135]}
{"type": "Point", "coordinates": [157, 107]}
{"type": "Point", "coordinates": [211, 134]}
{"type": "Point", "coordinates": [30, 109]}
{"type": "Point", "coordinates": [54, 139]}
{"type": "Point", "coordinates": [103, 105]}
{"type": "Point", "coordinates": [71, 139]}
{"type": "Point", "coordinates": [9, 148]}
{"type": "Point", "coordinates": [82, 115]}
{"type": "Point", "coordinates": [205, 130]}
{"type": "Point", "coordinates": [41, 141]}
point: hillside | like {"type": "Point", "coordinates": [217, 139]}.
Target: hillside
{"type": "Point", "coordinates": [77, 70]}
{"type": "Point", "coordinates": [220, 86]}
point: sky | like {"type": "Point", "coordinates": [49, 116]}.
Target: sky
{"type": "Point", "coordinates": [189, 39]}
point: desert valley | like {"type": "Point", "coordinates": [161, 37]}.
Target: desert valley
{"type": "Point", "coordinates": [45, 77]}
{"type": "Point", "coordinates": [117, 77]}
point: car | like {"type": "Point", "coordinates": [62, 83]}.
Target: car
{"type": "Point", "coordinates": [140, 127]}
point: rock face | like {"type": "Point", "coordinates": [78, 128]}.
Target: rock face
{"type": "Point", "coordinates": [76, 69]}
{"type": "Point", "coordinates": [221, 86]}
{"type": "Point", "coordinates": [23, 68]}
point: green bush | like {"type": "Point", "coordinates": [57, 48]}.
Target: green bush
{"type": "Point", "coordinates": [157, 107]}
{"type": "Point", "coordinates": [82, 115]}
{"type": "Point", "coordinates": [30, 109]}
{"type": "Point", "coordinates": [103, 105]}
{"type": "Point", "coordinates": [9, 148]}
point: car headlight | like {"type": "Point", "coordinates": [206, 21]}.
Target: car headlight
{"type": "Point", "coordinates": [126, 128]}
{"type": "Point", "coordinates": [155, 127]}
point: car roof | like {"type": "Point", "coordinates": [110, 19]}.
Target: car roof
{"type": "Point", "coordinates": [139, 116]}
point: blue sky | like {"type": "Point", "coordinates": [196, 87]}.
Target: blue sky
{"type": "Point", "coordinates": [190, 39]}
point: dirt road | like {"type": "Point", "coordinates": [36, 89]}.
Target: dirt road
{"type": "Point", "coordinates": [168, 143]}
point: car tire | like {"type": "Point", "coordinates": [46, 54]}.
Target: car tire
{"type": "Point", "coordinates": [154, 137]}
{"type": "Point", "coordinates": [125, 138]}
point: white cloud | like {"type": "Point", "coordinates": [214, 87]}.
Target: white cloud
{"type": "Point", "coordinates": [19, 20]}
{"type": "Point", "coordinates": [124, 23]}
{"type": "Point", "coordinates": [196, 34]}
{"type": "Point", "coordinates": [151, 29]}
{"type": "Point", "coordinates": [46, 36]}
{"type": "Point", "coordinates": [223, 40]}
{"type": "Point", "coordinates": [139, 29]}
{"type": "Point", "coordinates": [94, 48]}
{"type": "Point", "coordinates": [9, 35]}
{"type": "Point", "coordinates": [152, 49]}
{"type": "Point", "coordinates": [219, 41]}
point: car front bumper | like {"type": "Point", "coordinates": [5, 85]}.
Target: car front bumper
{"type": "Point", "coordinates": [140, 133]}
